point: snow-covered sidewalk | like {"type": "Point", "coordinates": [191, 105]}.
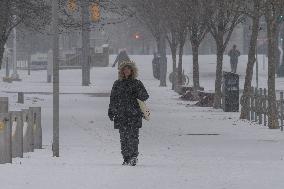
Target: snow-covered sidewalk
{"type": "Point", "coordinates": [181, 147]}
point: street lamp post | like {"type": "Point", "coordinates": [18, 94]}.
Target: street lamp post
{"type": "Point", "coordinates": [55, 144]}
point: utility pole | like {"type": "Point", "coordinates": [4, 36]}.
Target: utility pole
{"type": "Point", "coordinates": [85, 55]}
{"type": "Point", "coordinates": [55, 31]}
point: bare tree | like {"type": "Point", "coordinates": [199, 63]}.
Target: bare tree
{"type": "Point", "coordinates": [224, 16]}
{"type": "Point", "coordinates": [152, 13]}
{"type": "Point", "coordinates": [273, 9]}
{"type": "Point", "coordinates": [253, 9]}
{"type": "Point", "coordinates": [177, 21]}
{"type": "Point", "coordinates": [186, 17]}
{"type": "Point", "coordinates": [181, 11]}
{"type": "Point", "coordinates": [33, 14]}
{"type": "Point", "coordinates": [110, 12]}
{"type": "Point", "coordinates": [172, 38]}
{"type": "Point", "coordinates": [198, 29]}
{"type": "Point", "coordinates": [85, 15]}
{"type": "Point", "coordinates": [173, 43]}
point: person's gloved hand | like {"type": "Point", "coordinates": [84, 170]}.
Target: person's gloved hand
{"type": "Point", "coordinates": [112, 118]}
{"type": "Point", "coordinates": [113, 66]}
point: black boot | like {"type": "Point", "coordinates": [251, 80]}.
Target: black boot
{"type": "Point", "coordinates": [133, 161]}
{"type": "Point", "coordinates": [125, 161]}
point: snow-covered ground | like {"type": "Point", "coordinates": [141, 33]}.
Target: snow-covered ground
{"type": "Point", "coordinates": [175, 152]}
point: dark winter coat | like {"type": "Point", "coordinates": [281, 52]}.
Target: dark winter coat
{"type": "Point", "coordinates": [123, 108]}
{"type": "Point", "coordinates": [234, 56]}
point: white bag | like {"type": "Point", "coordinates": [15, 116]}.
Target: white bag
{"type": "Point", "coordinates": [144, 109]}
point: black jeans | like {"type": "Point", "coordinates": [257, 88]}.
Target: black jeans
{"type": "Point", "coordinates": [129, 139]}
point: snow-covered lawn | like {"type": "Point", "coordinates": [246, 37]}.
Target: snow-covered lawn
{"type": "Point", "coordinates": [181, 147]}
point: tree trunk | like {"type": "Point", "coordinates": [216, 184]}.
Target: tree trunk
{"type": "Point", "coordinates": [173, 46]}
{"type": "Point", "coordinates": [219, 68]}
{"type": "Point", "coordinates": [277, 51]}
{"type": "Point", "coordinates": [174, 58]}
{"type": "Point", "coordinates": [272, 46]}
{"type": "Point", "coordinates": [158, 41]}
{"type": "Point", "coordinates": [195, 48]}
{"type": "Point", "coordinates": [4, 23]}
{"type": "Point", "coordinates": [249, 70]}
{"type": "Point", "coordinates": [2, 49]}
{"type": "Point", "coordinates": [163, 62]}
{"type": "Point", "coordinates": [179, 69]}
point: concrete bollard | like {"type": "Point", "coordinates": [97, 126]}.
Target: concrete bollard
{"type": "Point", "coordinates": [17, 133]}
{"type": "Point", "coordinates": [37, 130]}
{"type": "Point", "coordinates": [28, 138]}
{"type": "Point", "coordinates": [5, 139]}
{"type": "Point", "coordinates": [21, 97]}
{"type": "Point", "coordinates": [4, 104]}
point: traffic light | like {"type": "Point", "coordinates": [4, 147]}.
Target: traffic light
{"type": "Point", "coordinates": [95, 12]}
{"type": "Point", "coordinates": [137, 36]}
{"type": "Point", "coordinates": [72, 5]}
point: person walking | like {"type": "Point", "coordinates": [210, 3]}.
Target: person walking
{"type": "Point", "coordinates": [156, 66]}
{"type": "Point", "coordinates": [124, 110]}
{"type": "Point", "coordinates": [121, 57]}
{"type": "Point", "coordinates": [234, 54]}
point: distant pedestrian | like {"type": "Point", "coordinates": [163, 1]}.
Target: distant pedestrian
{"type": "Point", "coordinates": [156, 65]}
{"type": "Point", "coordinates": [124, 110]}
{"type": "Point", "coordinates": [121, 57]}
{"type": "Point", "coordinates": [234, 54]}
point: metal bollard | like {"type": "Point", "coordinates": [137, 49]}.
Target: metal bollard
{"type": "Point", "coordinates": [28, 138]}
{"type": "Point", "coordinates": [17, 133]}
{"type": "Point", "coordinates": [5, 139]}
{"type": "Point", "coordinates": [36, 123]}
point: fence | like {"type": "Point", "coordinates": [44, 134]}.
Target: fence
{"type": "Point", "coordinates": [20, 131]}
{"type": "Point", "coordinates": [258, 107]}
